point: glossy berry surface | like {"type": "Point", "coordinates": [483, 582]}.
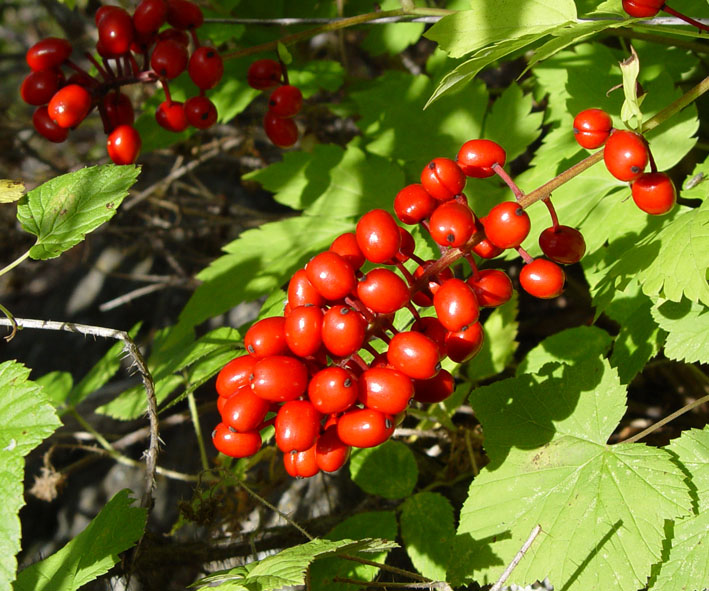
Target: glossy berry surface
{"type": "Point", "coordinates": [234, 375]}
{"type": "Point", "coordinates": [452, 224]}
{"type": "Point", "coordinates": [343, 330]}
{"type": "Point", "coordinates": [507, 225]}
{"type": "Point", "coordinates": [200, 112]}
{"type": "Point", "coordinates": [492, 287]}
{"type": "Point", "coordinates": [330, 452]}
{"type": "Point", "coordinates": [169, 59]}
{"type": "Point", "coordinates": [39, 87]}
{"type": "Point", "coordinates": [266, 337]}
{"type": "Point", "coordinates": [414, 354]}
{"type": "Point", "coordinates": [123, 144]}
{"type": "Point", "coordinates": [183, 14]}
{"type": "Point", "coordinates": [117, 109]}
{"type": "Point", "coordinates": [592, 128]}
{"type": "Point", "coordinates": [205, 67]}
{"type": "Point", "coordinates": [244, 411]}
{"type": "Point", "coordinates": [303, 330]}
{"type": "Point", "coordinates": [301, 292]}
{"type": "Point", "coordinates": [285, 101]}
{"type": "Point", "coordinates": [149, 16]}
{"type": "Point", "coordinates": [234, 444]}
{"type": "Point", "coordinates": [378, 236]}
{"type": "Point", "coordinates": [476, 158]}
{"type": "Point", "coordinates": [563, 244]}
{"type": "Point", "coordinates": [642, 8]}
{"type": "Point", "coordinates": [625, 155]}
{"type": "Point", "coordinates": [413, 204]}
{"type": "Point", "coordinates": [264, 74]}
{"type": "Point", "coordinates": [385, 389]}
{"type": "Point", "coordinates": [346, 246]}
{"type": "Point", "coordinates": [443, 179]}
{"type": "Point", "coordinates": [331, 275]}
{"type": "Point", "coordinates": [44, 125]}
{"type": "Point", "coordinates": [48, 53]}
{"type": "Point", "coordinates": [115, 32]}
{"type": "Point", "coordinates": [282, 132]}
{"type": "Point", "coordinates": [463, 345]}
{"type": "Point", "coordinates": [456, 305]}
{"type": "Point", "coordinates": [279, 378]}
{"type": "Point", "coordinates": [542, 278]}
{"type": "Point", "coordinates": [383, 291]}
{"type": "Point", "coordinates": [297, 426]}
{"type": "Point", "coordinates": [435, 389]}
{"type": "Point", "coordinates": [654, 193]}
{"type": "Point", "coordinates": [332, 390]}
{"type": "Point", "coordinates": [364, 427]}
{"type": "Point", "coordinates": [69, 105]}
{"type": "Point", "coordinates": [171, 116]}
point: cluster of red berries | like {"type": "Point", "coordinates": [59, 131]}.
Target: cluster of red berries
{"type": "Point", "coordinates": [316, 366]}
{"type": "Point", "coordinates": [284, 102]}
{"type": "Point", "coordinates": [649, 8]}
{"type": "Point", "coordinates": [124, 40]}
{"type": "Point", "coordinates": [626, 155]}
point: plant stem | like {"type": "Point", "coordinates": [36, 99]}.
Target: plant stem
{"type": "Point", "coordinates": [14, 263]}
{"type": "Point", "coordinates": [13, 324]}
{"type": "Point", "coordinates": [667, 419]}
{"type": "Point", "coordinates": [515, 561]}
{"type": "Point", "coordinates": [194, 415]}
{"type": "Point", "coordinates": [386, 567]}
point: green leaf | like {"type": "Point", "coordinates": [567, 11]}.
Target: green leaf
{"type": "Point", "coordinates": [427, 530]}
{"type": "Point", "coordinates": [388, 470]}
{"type": "Point", "coordinates": [601, 508]}
{"type": "Point", "coordinates": [283, 54]}
{"type": "Point", "coordinates": [92, 553]}
{"type": "Point", "coordinates": [692, 451]}
{"type": "Point", "coordinates": [489, 21]}
{"type": "Point", "coordinates": [695, 186]}
{"type": "Point", "coordinates": [26, 419]}
{"type": "Point", "coordinates": [687, 325]}
{"type": "Point", "coordinates": [393, 38]}
{"type": "Point", "coordinates": [381, 524]}
{"type": "Point", "coordinates": [630, 113]}
{"type": "Point", "coordinates": [680, 268]}
{"type": "Point", "coordinates": [288, 567]}
{"type": "Point", "coordinates": [63, 210]}
{"type": "Point", "coordinates": [56, 386]}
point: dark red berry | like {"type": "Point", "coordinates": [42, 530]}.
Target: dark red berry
{"type": "Point", "coordinates": [39, 87]}
{"type": "Point", "coordinates": [492, 287]}
{"type": "Point", "coordinates": [171, 116]}
{"type": "Point", "coordinates": [44, 125]}
{"type": "Point", "coordinates": [205, 67]}
{"type": "Point", "coordinates": [115, 32]}
{"type": "Point", "coordinates": [435, 389]}
{"type": "Point", "coordinates": [330, 452]}
{"type": "Point", "coordinates": [562, 244]}
{"type": "Point", "coordinates": [118, 109]}
{"type": "Point", "coordinates": [200, 112]}
{"type": "Point", "coordinates": [643, 8]}
{"type": "Point", "coordinates": [149, 16]}
{"type": "Point", "coordinates": [282, 132]}
{"type": "Point", "coordinates": [123, 144]}
{"type": "Point", "coordinates": [169, 59]}
{"type": "Point", "coordinates": [48, 53]}
{"type": "Point", "coordinates": [183, 14]}
{"type": "Point", "coordinates": [463, 345]}
{"type": "Point", "coordinates": [264, 74]}
{"type": "Point", "coordinates": [285, 101]}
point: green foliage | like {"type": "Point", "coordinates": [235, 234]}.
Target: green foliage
{"type": "Point", "coordinates": [388, 470]}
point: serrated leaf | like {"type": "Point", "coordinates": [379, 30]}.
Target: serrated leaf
{"type": "Point", "coordinates": [393, 38]}
{"type": "Point", "coordinates": [56, 386]}
{"type": "Point", "coordinates": [381, 524]}
{"type": "Point", "coordinates": [687, 325]}
{"type": "Point", "coordinates": [388, 470]}
{"type": "Point", "coordinates": [489, 21]}
{"type": "Point", "coordinates": [601, 508]}
{"type": "Point", "coordinates": [513, 105]}
{"type": "Point", "coordinates": [427, 530]}
{"type": "Point", "coordinates": [692, 451]}
{"type": "Point", "coordinates": [10, 191]}
{"type": "Point", "coordinates": [26, 419]}
{"type": "Point", "coordinates": [316, 75]}
{"type": "Point", "coordinates": [696, 185]}
{"type": "Point", "coordinates": [63, 210]}
{"type": "Point", "coordinates": [90, 554]}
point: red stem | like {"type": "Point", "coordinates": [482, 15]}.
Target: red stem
{"type": "Point", "coordinates": [524, 254]}
{"type": "Point", "coordinates": [552, 213]}
{"type": "Point", "coordinates": [499, 171]}
{"type": "Point", "coordinates": [687, 19]}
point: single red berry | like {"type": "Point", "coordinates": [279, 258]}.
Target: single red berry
{"type": "Point", "coordinates": [236, 445]}
{"type": "Point", "coordinates": [476, 158]}
{"type": "Point", "coordinates": [563, 244]}
{"type": "Point", "coordinates": [39, 87]}
{"type": "Point", "coordinates": [654, 193]}
{"type": "Point", "coordinates": [282, 132]}
{"type": "Point", "coordinates": [442, 179]}
{"type": "Point", "coordinates": [297, 426]}
{"type": "Point", "coordinates": [383, 291]}
{"type": "Point", "coordinates": [452, 224]}
{"type": "Point", "coordinates": [171, 116]}
{"type": "Point", "coordinates": [301, 464]}
{"type": "Point", "coordinates": [431, 327]}
{"type": "Point", "coordinates": [592, 128]}
{"type": "Point", "coordinates": [149, 16]}
{"type": "Point", "coordinates": [205, 67]}
{"type": "Point", "coordinates": [456, 305]}
{"type": "Point", "coordinates": [643, 8]}
{"type": "Point", "coordinates": [279, 378]}
{"type": "Point", "coordinates": [492, 287]}
{"type": "Point", "coordinates": [123, 144]}
{"type": "Point", "coordinates": [243, 410]}
{"type": "Point", "coordinates": [625, 155]}
{"type": "Point", "coordinates": [346, 246]}
{"type": "Point", "coordinates": [104, 11]}
{"type": "Point", "coordinates": [414, 354]}
{"type": "Point", "coordinates": [463, 345]}
{"type": "Point", "coordinates": [424, 296]}
{"type": "Point", "coordinates": [200, 112]}
{"type": "Point", "coordinates": [118, 109]}
{"type": "Point", "coordinates": [115, 32]}
{"type": "Point", "coordinates": [343, 330]}
{"type": "Point", "coordinates": [301, 292]}
{"type": "Point", "coordinates": [183, 14]}
{"type": "Point", "coordinates": [285, 101]}
{"type": "Point", "coordinates": [303, 330]}
{"type": "Point", "coordinates": [435, 389]}
{"type": "Point", "coordinates": [44, 125]}
{"type": "Point", "coordinates": [407, 245]}
{"type": "Point", "coordinates": [175, 35]}
{"type": "Point", "coordinates": [332, 390]}
{"type": "Point", "coordinates": [169, 59]}
{"type": "Point", "coordinates": [385, 389]}
{"type": "Point", "coordinates": [378, 236]}
{"type": "Point", "coordinates": [507, 225]}
{"type": "Point", "coordinates": [69, 105]}
{"type": "Point", "coordinates": [364, 427]}
{"type": "Point", "coordinates": [266, 337]}
{"type": "Point", "coordinates": [484, 248]}
{"type": "Point", "coordinates": [413, 204]}
{"type": "Point", "coordinates": [542, 278]}
{"type": "Point", "coordinates": [264, 74]}
{"type": "Point", "coordinates": [331, 275]}
{"type": "Point", "coordinates": [330, 452]}
{"type": "Point", "coordinates": [48, 53]}
{"type": "Point", "coordinates": [234, 375]}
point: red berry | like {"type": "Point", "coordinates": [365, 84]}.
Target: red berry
{"type": "Point", "coordinates": [297, 426]}
{"type": "Point", "coordinates": [414, 355]}
{"type": "Point", "coordinates": [456, 305]}
{"type": "Point", "coordinates": [435, 389]}
{"type": "Point", "coordinates": [507, 225]}
{"type": "Point", "coordinates": [266, 337]}
{"type": "Point", "coordinates": [463, 345]}
{"type": "Point", "coordinates": [431, 327]}
{"type": "Point", "coordinates": [183, 14]}
{"type": "Point", "coordinates": [243, 410]}
{"type": "Point", "coordinates": [385, 389]}
{"type": "Point", "coordinates": [452, 224]}
{"type": "Point", "coordinates": [476, 157]}
{"type": "Point", "coordinates": [424, 296]}
{"type": "Point", "coordinates": [69, 105]}
{"type": "Point", "coordinates": [279, 378]}
{"type": "Point", "coordinates": [175, 35]}
{"type": "Point", "coordinates": [115, 32]}
{"type": "Point", "coordinates": [413, 204]}
{"type": "Point", "coordinates": [625, 155]}
{"type": "Point", "coordinates": [48, 53]}
{"type": "Point", "coordinates": [643, 8]}
{"type": "Point", "coordinates": [378, 236]}
{"type": "Point", "coordinates": [234, 375]}
{"type": "Point", "coordinates": [303, 330]}
{"type": "Point", "coordinates": [592, 128]}
{"type": "Point", "coordinates": [171, 116]}
{"type": "Point", "coordinates": [200, 112]}
{"type": "Point", "coordinates": [343, 330]}
{"type": "Point", "coordinates": [301, 292]}
{"type": "Point", "coordinates": [654, 193]}
{"type": "Point", "coordinates": [205, 67]}
{"type": "Point", "coordinates": [442, 179]}
{"type": "Point", "coordinates": [330, 452]}
{"type": "Point", "coordinates": [285, 101]}
{"type": "Point", "coordinates": [332, 390]}
{"type": "Point", "coordinates": [542, 279]}
{"type": "Point", "coordinates": [44, 125]}
{"type": "Point", "coordinates": [383, 291]}
{"type": "Point", "coordinates": [346, 246]}
{"type": "Point", "coordinates": [484, 248]}
{"type": "Point", "coordinates": [492, 287]}
{"type": "Point", "coordinates": [562, 244]}
{"type": "Point", "coordinates": [149, 16]}
{"type": "Point", "coordinates": [264, 73]}
{"type": "Point", "coordinates": [331, 275]}
{"type": "Point", "coordinates": [39, 87]}
{"type": "Point", "coordinates": [236, 445]}
{"type": "Point", "coordinates": [169, 59]}
{"type": "Point", "coordinates": [117, 109]}
{"type": "Point", "coordinates": [282, 132]}
{"type": "Point", "coordinates": [301, 464]}
{"type": "Point", "coordinates": [123, 144]}
{"type": "Point", "coordinates": [364, 427]}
